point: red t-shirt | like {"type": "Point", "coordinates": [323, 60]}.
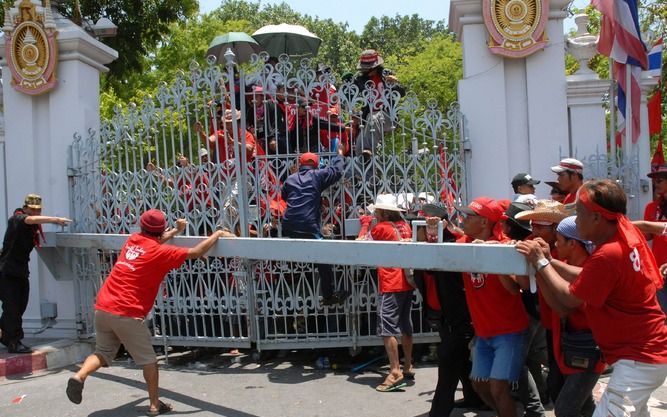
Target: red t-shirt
{"type": "Point", "coordinates": [493, 309]}
{"type": "Point", "coordinates": [570, 198]}
{"type": "Point", "coordinates": [134, 281]}
{"type": "Point", "coordinates": [621, 305]}
{"type": "Point", "coordinates": [391, 279]}
{"type": "Point", "coordinates": [575, 321]}
{"type": "Point", "coordinates": [659, 242]}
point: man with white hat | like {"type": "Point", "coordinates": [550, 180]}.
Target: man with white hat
{"type": "Point", "coordinates": [203, 156]}
{"type": "Point", "coordinates": [570, 173]}
{"type": "Point", "coordinates": [395, 295]}
{"type": "Point", "coordinates": [24, 232]}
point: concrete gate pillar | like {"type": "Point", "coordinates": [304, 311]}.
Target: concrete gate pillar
{"type": "Point", "coordinates": [516, 108]}
{"type": "Point", "coordinates": [38, 131]}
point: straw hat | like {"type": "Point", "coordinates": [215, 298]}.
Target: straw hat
{"type": "Point", "coordinates": [385, 202]}
{"type": "Point", "coordinates": [548, 211]}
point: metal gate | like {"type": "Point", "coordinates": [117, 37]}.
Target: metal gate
{"type": "Point", "coordinates": [175, 152]}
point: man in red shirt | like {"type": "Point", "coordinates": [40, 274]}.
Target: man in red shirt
{"type": "Point", "coordinates": [498, 315]}
{"type": "Point", "coordinates": [395, 295]}
{"type": "Point", "coordinates": [128, 295]}
{"type": "Point", "coordinates": [656, 211]}
{"type": "Point", "coordinates": [617, 286]}
{"type": "Point", "coordinates": [570, 173]}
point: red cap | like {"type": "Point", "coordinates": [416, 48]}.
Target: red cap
{"type": "Point", "coordinates": [309, 158]}
{"type": "Point", "coordinates": [485, 207]}
{"type": "Point", "coordinates": [153, 221]}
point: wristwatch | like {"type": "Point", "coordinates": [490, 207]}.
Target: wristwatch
{"type": "Point", "coordinates": [541, 264]}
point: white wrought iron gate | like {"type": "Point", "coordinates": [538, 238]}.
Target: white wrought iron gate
{"type": "Point", "coordinates": [154, 156]}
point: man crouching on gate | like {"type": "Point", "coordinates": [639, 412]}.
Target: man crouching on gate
{"type": "Point", "coordinates": [128, 295]}
{"type": "Point", "coordinates": [498, 315]}
{"type": "Point", "coordinates": [616, 287]}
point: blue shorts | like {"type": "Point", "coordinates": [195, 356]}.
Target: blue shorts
{"type": "Point", "coordinates": [499, 357]}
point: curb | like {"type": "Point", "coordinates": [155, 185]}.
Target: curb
{"type": "Point", "coordinates": [54, 355]}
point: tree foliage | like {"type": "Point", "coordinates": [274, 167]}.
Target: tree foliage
{"type": "Point", "coordinates": [400, 36]}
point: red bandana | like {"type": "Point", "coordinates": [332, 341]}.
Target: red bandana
{"type": "Point", "coordinates": [629, 234]}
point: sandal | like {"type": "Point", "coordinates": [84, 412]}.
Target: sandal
{"type": "Point", "coordinates": [409, 375]}
{"type": "Point", "coordinates": [162, 409]}
{"type": "Point", "coordinates": [388, 387]}
{"type": "Point", "coordinates": [74, 390]}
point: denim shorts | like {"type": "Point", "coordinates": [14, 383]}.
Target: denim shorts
{"type": "Point", "coordinates": [499, 357]}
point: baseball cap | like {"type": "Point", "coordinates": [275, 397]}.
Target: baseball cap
{"type": "Point", "coordinates": [436, 210]}
{"type": "Point", "coordinates": [569, 164]}
{"type": "Point", "coordinates": [514, 209]}
{"type": "Point", "coordinates": [309, 158]}
{"type": "Point", "coordinates": [33, 201]}
{"type": "Point", "coordinates": [522, 179]}
{"type": "Point", "coordinates": [153, 221]}
{"type": "Point", "coordinates": [203, 152]}
{"type": "Point", "coordinates": [483, 206]}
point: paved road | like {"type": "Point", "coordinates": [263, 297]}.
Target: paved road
{"type": "Point", "coordinates": [216, 385]}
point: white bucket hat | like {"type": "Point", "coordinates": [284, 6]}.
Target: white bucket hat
{"type": "Point", "coordinates": [385, 202]}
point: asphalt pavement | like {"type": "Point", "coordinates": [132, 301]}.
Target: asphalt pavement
{"type": "Point", "coordinates": [212, 384]}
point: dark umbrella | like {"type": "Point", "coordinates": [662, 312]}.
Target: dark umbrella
{"type": "Point", "coordinates": [293, 40]}
{"type": "Point", "coordinates": [242, 44]}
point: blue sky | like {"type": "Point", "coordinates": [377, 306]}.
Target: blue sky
{"type": "Point", "coordinates": [357, 12]}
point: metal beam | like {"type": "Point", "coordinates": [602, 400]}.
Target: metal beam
{"type": "Point", "coordinates": [485, 258]}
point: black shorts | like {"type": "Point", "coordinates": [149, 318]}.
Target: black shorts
{"type": "Point", "coordinates": [394, 316]}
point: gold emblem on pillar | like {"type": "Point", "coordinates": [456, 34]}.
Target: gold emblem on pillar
{"type": "Point", "coordinates": [30, 46]}
{"type": "Point", "coordinates": [516, 27]}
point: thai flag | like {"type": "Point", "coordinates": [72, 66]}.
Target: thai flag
{"type": "Point", "coordinates": [620, 38]}
{"type": "Point", "coordinates": [619, 75]}
{"type": "Point", "coordinates": [655, 60]}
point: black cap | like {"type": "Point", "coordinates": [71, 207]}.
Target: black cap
{"type": "Point", "coordinates": [555, 187]}
{"type": "Point", "coordinates": [513, 210]}
{"type": "Point", "coordinates": [523, 179]}
{"type": "Point", "coordinates": [436, 210]}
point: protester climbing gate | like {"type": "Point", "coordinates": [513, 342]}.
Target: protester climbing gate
{"type": "Point", "coordinates": [213, 147]}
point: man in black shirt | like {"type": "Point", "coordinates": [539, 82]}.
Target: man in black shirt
{"type": "Point", "coordinates": [456, 331]}
{"type": "Point", "coordinates": [23, 233]}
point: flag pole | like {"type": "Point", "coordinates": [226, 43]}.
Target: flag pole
{"type": "Point", "coordinates": [628, 111]}
{"type": "Point", "coordinates": [612, 115]}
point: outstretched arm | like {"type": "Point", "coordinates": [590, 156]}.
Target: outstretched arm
{"type": "Point", "coordinates": [62, 221]}
{"type": "Point", "coordinates": [170, 233]}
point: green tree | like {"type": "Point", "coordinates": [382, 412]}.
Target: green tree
{"type": "Point", "coordinates": [400, 36]}
{"type": "Point", "coordinates": [434, 72]}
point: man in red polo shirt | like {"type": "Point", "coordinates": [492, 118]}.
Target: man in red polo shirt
{"type": "Point", "coordinates": [570, 173]}
{"type": "Point", "coordinates": [617, 286]}
{"type": "Point", "coordinates": [498, 315]}
{"type": "Point", "coordinates": [128, 295]}
{"type": "Point", "coordinates": [656, 211]}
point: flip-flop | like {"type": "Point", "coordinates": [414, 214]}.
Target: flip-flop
{"type": "Point", "coordinates": [74, 390]}
{"type": "Point", "coordinates": [163, 408]}
{"type": "Point", "coordinates": [398, 384]}
{"type": "Point", "coordinates": [409, 375]}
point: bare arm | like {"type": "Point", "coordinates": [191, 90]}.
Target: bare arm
{"type": "Point", "coordinates": [568, 272]}
{"type": "Point", "coordinates": [551, 279]}
{"type": "Point", "coordinates": [47, 219]}
{"type": "Point", "coordinates": [204, 246]}
{"type": "Point", "coordinates": [170, 233]}
{"type": "Point", "coordinates": [650, 228]}
{"type": "Point", "coordinates": [509, 283]}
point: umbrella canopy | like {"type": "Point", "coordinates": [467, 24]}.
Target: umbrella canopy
{"type": "Point", "coordinates": [242, 44]}
{"type": "Point", "coordinates": [287, 39]}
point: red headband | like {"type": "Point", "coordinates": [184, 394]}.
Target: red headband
{"type": "Point", "coordinates": [629, 234]}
